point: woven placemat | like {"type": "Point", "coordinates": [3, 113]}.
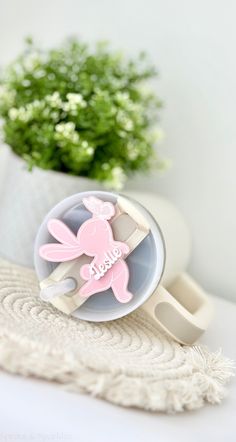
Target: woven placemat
{"type": "Point", "coordinates": [127, 362]}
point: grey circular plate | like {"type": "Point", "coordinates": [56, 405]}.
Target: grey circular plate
{"type": "Point", "coordinates": [146, 262]}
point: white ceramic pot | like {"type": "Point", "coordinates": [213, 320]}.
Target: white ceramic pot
{"type": "Point", "coordinates": [25, 199]}
{"type": "Point", "coordinates": [28, 196]}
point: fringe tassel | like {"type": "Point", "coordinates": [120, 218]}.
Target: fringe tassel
{"type": "Point", "coordinates": [208, 375]}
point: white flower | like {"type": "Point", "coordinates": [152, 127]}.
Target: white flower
{"type": "Point", "coordinates": [128, 124]}
{"type": "Point", "coordinates": [13, 113]}
{"type": "Point", "coordinates": [157, 135]}
{"type": "Point", "coordinates": [51, 76]}
{"type": "Point", "coordinates": [75, 101]}
{"type": "Point", "coordinates": [90, 150]}
{"type": "Point", "coordinates": [39, 73]}
{"type": "Point", "coordinates": [62, 69]}
{"type": "Point", "coordinates": [59, 128]}
{"type": "Point", "coordinates": [54, 115]}
{"type": "Point", "coordinates": [132, 151]}
{"type": "Point", "coordinates": [75, 98]}
{"type": "Point", "coordinates": [117, 179]}
{"type": "Point", "coordinates": [67, 131]}
{"type": "Point", "coordinates": [122, 97]}
{"type": "Point", "coordinates": [36, 103]}
{"type": "Point", "coordinates": [31, 61]}
{"type": "Point", "coordinates": [124, 121]}
{"type": "Point", "coordinates": [84, 144]}
{"type": "Point", "coordinates": [65, 127]}
{"type": "Point", "coordinates": [145, 90]}
{"type": "Point", "coordinates": [105, 166]}
{"type": "Point", "coordinates": [23, 114]}
{"type": "Point", "coordinates": [26, 83]}
{"type": "Point", "coordinates": [7, 96]}
{"type": "Point", "coordinates": [70, 126]}
{"type": "Point", "coordinates": [74, 78]}
{"type": "Point", "coordinates": [54, 100]}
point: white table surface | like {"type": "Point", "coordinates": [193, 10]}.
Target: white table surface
{"type": "Point", "coordinates": [34, 410]}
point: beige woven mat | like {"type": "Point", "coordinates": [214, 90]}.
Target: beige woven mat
{"type": "Point", "coordinates": [127, 362]}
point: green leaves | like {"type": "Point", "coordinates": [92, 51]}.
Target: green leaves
{"type": "Point", "coordinates": [80, 110]}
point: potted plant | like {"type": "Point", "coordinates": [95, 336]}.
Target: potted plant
{"type": "Point", "coordinates": [75, 118]}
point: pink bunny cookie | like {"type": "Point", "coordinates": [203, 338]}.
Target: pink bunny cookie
{"type": "Point", "coordinates": [95, 239]}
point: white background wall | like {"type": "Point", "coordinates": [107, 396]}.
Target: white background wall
{"type": "Point", "coordinates": [193, 44]}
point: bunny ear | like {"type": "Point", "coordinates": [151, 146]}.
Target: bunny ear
{"type": "Point", "coordinates": [100, 209]}
{"type": "Point", "coordinates": [93, 204]}
{"type": "Point", "coordinates": [62, 233]}
{"type": "Point", "coordinates": [59, 252]}
{"type": "Point", "coordinates": [107, 210]}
